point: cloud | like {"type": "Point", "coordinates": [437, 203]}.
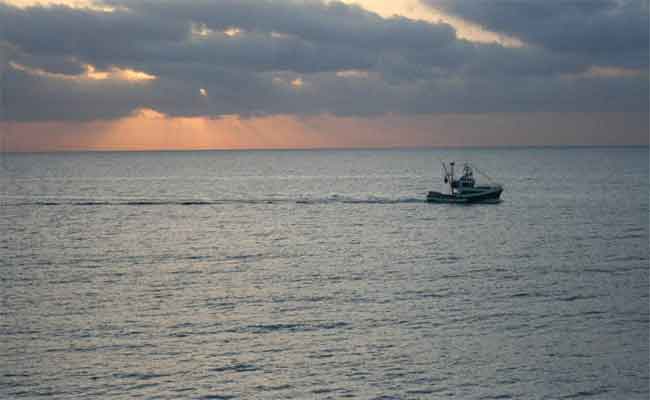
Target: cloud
{"type": "Point", "coordinates": [314, 21]}
{"type": "Point", "coordinates": [289, 57]}
{"type": "Point", "coordinates": [605, 32]}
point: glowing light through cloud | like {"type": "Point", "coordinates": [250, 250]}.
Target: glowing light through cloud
{"type": "Point", "coordinates": [94, 5]}
{"type": "Point", "coordinates": [201, 30]}
{"type": "Point", "coordinates": [615, 72]}
{"type": "Point", "coordinates": [608, 72]}
{"type": "Point", "coordinates": [232, 31]}
{"type": "Point", "coordinates": [124, 74]}
{"type": "Point", "coordinates": [148, 113]}
{"type": "Point", "coordinates": [353, 73]}
{"type": "Point", "coordinates": [414, 9]}
{"type": "Point", "coordinates": [289, 80]}
{"type": "Point", "coordinates": [90, 73]}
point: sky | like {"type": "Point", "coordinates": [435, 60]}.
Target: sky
{"type": "Point", "coordinates": [235, 74]}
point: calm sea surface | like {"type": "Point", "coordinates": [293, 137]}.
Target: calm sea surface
{"type": "Point", "coordinates": [323, 275]}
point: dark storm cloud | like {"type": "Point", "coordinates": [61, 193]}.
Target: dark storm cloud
{"type": "Point", "coordinates": [60, 30]}
{"type": "Point", "coordinates": [36, 98]}
{"type": "Point", "coordinates": [254, 52]}
{"type": "Point", "coordinates": [286, 60]}
{"type": "Point", "coordinates": [608, 32]}
{"type": "Point", "coordinates": [55, 65]}
{"type": "Point", "coordinates": [314, 21]}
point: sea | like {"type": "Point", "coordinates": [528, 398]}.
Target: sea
{"type": "Point", "coordinates": [324, 274]}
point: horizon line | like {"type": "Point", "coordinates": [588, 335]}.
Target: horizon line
{"type": "Point", "coordinates": [351, 148]}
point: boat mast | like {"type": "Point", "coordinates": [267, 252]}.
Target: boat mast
{"type": "Point", "coordinates": [451, 177]}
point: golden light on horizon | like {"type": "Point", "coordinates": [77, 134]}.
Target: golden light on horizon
{"type": "Point", "coordinates": [148, 129]}
{"type": "Point", "coordinates": [151, 130]}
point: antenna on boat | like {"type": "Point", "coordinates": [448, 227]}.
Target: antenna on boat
{"type": "Point", "coordinates": [448, 176]}
{"type": "Point", "coordinates": [451, 176]}
{"type": "Point", "coordinates": [483, 174]}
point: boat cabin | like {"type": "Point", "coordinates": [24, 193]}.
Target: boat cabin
{"type": "Point", "coordinates": [466, 180]}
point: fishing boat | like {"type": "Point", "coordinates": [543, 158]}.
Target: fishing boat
{"type": "Point", "coordinates": [464, 189]}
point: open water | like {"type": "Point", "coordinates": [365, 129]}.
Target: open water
{"type": "Point", "coordinates": [323, 275]}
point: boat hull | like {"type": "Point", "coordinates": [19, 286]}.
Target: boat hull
{"type": "Point", "coordinates": [485, 194]}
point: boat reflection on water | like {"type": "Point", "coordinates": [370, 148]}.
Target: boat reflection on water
{"type": "Point", "coordinates": [464, 189]}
